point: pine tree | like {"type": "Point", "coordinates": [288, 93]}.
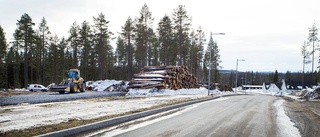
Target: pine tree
{"type": "Point", "coordinates": [52, 60]}
{"type": "Point", "coordinates": [196, 51]}
{"type": "Point", "coordinates": [143, 30]}
{"type": "Point", "coordinates": [63, 57]}
{"type": "Point", "coordinates": [45, 35]}
{"type": "Point", "coordinates": [121, 54]}
{"type": "Point", "coordinates": [128, 34]}
{"type": "Point", "coordinates": [182, 24]}
{"type": "Point", "coordinates": [74, 43]}
{"type": "Point", "coordinates": [102, 45]}
{"type": "Point", "coordinates": [200, 37]}
{"type": "Point", "coordinates": [167, 50]}
{"type": "Point", "coordinates": [154, 59]}
{"type": "Point", "coordinates": [85, 42]}
{"type": "Point", "coordinates": [3, 51]}
{"type": "Point", "coordinates": [24, 36]}
{"type": "Point", "coordinates": [306, 59]}
{"type": "Point", "coordinates": [215, 62]}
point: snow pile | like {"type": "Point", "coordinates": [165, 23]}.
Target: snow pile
{"type": "Point", "coordinates": [101, 85]}
{"type": "Point", "coordinates": [163, 92]}
{"type": "Point", "coordinates": [286, 127]}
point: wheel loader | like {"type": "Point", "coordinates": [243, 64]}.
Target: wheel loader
{"type": "Point", "coordinates": [72, 83]}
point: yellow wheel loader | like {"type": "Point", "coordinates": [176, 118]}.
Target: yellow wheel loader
{"type": "Point", "coordinates": [72, 83]}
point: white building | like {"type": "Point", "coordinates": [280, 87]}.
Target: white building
{"type": "Point", "coordinates": [275, 87]}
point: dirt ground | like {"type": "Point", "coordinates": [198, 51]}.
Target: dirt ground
{"type": "Point", "coordinates": [16, 93]}
{"type": "Point", "coordinates": [305, 115]}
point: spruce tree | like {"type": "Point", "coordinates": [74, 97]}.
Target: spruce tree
{"type": "Point", "coordinates": [275, 77]}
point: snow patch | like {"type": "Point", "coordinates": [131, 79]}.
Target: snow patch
{"type": "Point", "coordinates": [286, 127]}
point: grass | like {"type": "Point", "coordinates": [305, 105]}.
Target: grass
{"type": "Point", "coordinates": [5, 111]}
{"type": "Point", "coordinates": [78, 122]}
{"type": "Point", "coordinates": [48, 105]}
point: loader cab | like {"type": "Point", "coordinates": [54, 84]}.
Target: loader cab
{"type": "Point", "coordinates": [73, 74]}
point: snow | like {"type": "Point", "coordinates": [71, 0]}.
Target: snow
{"type": "Point", "coordinates": [155, 92]}
{"type": "Point", "coordinates": [285, 127]}
{"type": "Point", "coordinates": [101, 85]}
{"type": "Point", "coordinates": [26, 116]}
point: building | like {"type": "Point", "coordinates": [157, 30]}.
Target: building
{"type": "Point", "coordinates": [251, 87]}
{"type": "Point", "coordinates": [275, 87]}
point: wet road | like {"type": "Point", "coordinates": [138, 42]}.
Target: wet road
{"type": "Point", "coordinates": [248, 115]}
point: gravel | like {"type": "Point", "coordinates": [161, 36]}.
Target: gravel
{"type": "Point", "coordinates": [54, 97]}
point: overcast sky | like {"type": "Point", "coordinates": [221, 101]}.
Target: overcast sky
{"type": "Point", "coordinates": [268, 34]}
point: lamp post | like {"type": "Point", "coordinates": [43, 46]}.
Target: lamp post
{"type": "Point", "coordinates": [211, 44]}
{"type": "Point", "coordinates": [235, 91]}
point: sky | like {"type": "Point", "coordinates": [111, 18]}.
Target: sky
{"type": "Point", "coordinates": [267, 34]}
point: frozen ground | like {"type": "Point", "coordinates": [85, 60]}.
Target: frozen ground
{"type": "Point", "coordinates": [24, 116]}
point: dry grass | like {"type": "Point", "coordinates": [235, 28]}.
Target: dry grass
{"type": "Point", "coordinates": [48, 105]}
{"type": "Point", "coordinates": [78, 122]}
{"type": "Point", "coordinates": [103, 99]}
{"type": "Point", "coordinates": [5, 111]}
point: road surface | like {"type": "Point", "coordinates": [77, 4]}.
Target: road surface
{"type": "Point", "coordinates": [46, 97]}
{"type": "Point", "coordinates": [247, 115]}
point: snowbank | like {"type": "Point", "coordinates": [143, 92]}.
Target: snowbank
{"type": "Point", "coordinates": [286, 127]}
{"type": "Point", "coordinates": [162, 92]}
{"type": "Point", "coordinates": [101, 85]}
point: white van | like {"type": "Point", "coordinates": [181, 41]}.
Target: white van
{"type": "Point", "coordinates": [36, 87]}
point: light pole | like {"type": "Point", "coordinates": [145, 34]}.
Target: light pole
{"type": "Point", "coordinates": [211, 44]}
{"type": "Point", "coordinates": [235, 91]}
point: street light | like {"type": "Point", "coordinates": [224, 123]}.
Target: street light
{"type": "Point", "coordinates": [211, 43]}
{"type": "Point", "coordinates": [235, 91]}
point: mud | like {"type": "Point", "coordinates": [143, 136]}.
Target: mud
{"type": "Point", "coordinates": [305, 115]}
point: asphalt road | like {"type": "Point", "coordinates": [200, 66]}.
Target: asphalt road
{"type": "Point", "coordinates": [248, 115]}
{"type": "Point", "coordinates": [46, 97]}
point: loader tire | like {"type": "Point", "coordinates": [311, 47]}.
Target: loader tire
{"type": "Point", "coordinates": [73, 87]}
{"type": "Point", "coordinates": [83, 88]}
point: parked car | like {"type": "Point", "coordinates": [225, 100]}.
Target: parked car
{"type": "Point", "coordinates": [36, 87]}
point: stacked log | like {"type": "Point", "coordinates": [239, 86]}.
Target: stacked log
{"type": "Point", "coordinates": [163, 77]}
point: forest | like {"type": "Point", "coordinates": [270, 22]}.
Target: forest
{"type": "Point", "coordinates": [36, 55]}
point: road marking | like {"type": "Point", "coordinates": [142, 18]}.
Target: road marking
{"type": "Point", "coordinates": [113, 131]}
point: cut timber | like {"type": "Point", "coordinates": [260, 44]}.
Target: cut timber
{"type": "Point", "coordinates": [172, 77]}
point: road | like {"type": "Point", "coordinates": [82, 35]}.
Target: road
{"type": "Point", "coordinates": [46, 97]}
{"type": "Point", "coordinates": [247, 115]}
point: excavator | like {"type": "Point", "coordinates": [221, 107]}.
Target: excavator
{"type": "Point", "coordinates": [72, 83]}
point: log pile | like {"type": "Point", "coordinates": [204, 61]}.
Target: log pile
{"type": "Point", "coordinates": [163, 77]}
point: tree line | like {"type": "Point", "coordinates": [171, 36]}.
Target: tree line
{"type": "Point", "coordinates": [36, 55]}
{"type": "Point", "coordinates": [258, 78]}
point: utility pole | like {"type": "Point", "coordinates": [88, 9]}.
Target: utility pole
{"type": "Point", "coordinates": [211, 44]}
